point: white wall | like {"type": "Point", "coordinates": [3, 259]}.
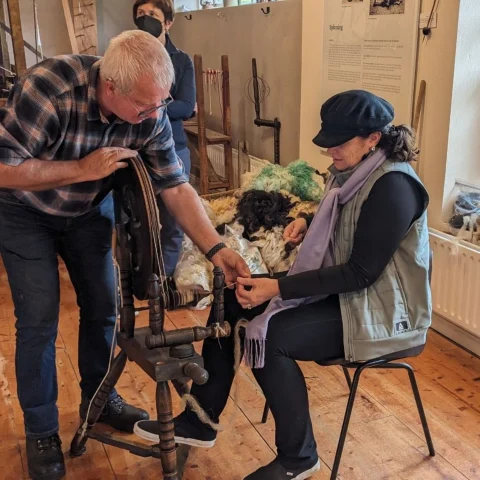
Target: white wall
{"type": "Point", "coordinates": [463, 155]}
{"type": "Point", "coordinates": [312, 47]}
{"type": "Point", "coordinates": [436, 61]}
{"type": "Point", "coordinates": [113, 17]}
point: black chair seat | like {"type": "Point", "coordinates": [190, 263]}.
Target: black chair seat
{"type": "Point", "coordinates": [409, 353]}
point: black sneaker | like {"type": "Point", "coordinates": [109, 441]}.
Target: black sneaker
{"type": "Point", "coordinates": [45, 458]}
{"type": "Point", "coordinates": [117, 413]}
{"type": "Point", "coordinates": [185, 433]}
{"type": "Point", "coordinates": [276, 471]}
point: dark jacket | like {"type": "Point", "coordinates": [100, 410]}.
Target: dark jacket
{"type": "Point", "coordinates": [182, 92]}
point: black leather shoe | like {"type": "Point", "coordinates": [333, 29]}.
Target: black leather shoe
{"type": "Point", "coordinates": [117, 413]}
{"type": "Point", "coordinates": [45, 458]}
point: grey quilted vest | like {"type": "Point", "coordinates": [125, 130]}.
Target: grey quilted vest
{"type": "Point", "coordinates": [395, 312]}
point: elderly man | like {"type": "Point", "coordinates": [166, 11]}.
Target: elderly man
{"type": "Point", "coordinates": [70, 123]}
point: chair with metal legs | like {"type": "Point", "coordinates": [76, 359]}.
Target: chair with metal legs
{"type": "Point", "coordinates": [360, 367]}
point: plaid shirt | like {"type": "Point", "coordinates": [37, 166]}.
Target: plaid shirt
{"type": "Point", "coordinates": [52, 114]}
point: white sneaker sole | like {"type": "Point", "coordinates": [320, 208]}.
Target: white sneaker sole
{"type": "Point", "coordinates": [151, 437]}
{"type": "Point", "coordinates": [195, 443]}
{"type": "Point", "coordinates": [308, 473]}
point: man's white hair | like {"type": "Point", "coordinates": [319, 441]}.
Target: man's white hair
{"type": "Point", "coordinates": [134, 54]}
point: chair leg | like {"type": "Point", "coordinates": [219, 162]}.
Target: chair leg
{"type": "Point", "coordinates": [418, 400]}
{"type": "Point", "coordinates": [265, 413]}
{"type": "Point", "coordinates": [347, 377]}
{"type": "Point", "coordinates": [421, 411]}
{"type": "Point", "coordinates": [346, 421]}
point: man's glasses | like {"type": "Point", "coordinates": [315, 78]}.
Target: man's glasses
{"type": "Point", "coordinates": [149, 111]}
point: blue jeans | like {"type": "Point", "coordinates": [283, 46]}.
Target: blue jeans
{"type": "Point", "coordinates": [30, 241]}
{"type": "Point", "coordinates": [171, 236]}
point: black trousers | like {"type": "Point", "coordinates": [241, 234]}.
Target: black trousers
{"type": "Point", "coordinates": [307, 333]}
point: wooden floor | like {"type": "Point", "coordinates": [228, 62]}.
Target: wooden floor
{"type": "Point", "coordinates": [385, 440]}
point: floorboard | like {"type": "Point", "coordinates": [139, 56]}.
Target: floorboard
{"type": "Point", "coordinates": [385, 440]}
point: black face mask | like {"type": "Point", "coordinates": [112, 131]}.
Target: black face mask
{"type": "Point", "coordinates": [150, 25]}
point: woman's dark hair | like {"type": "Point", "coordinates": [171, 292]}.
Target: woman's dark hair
{"type": "Point", "coordinates": [166, 6]}
{"type": "Point", "coordinates": [398, 142]}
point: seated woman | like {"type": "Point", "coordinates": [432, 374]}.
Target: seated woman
{"type": "Point", "coordinates": [156, 17]}
{"type": "Point", "coordinates": [358, 290]}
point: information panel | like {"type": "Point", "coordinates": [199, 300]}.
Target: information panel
{"type": "Point", "coordinates": [372, 45]}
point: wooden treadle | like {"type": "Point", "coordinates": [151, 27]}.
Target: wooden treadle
{"type": "Point", "coordinates": [212, 136]}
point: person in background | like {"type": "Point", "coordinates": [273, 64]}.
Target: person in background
{"type": "Point", "coordinates": [156, 17]}
{"type": "Point", "coordinates": [359, 288]}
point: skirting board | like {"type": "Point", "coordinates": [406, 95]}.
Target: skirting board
{"type": "Point", "coordinates": [456, 334]}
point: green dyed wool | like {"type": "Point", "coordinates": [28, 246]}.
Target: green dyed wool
{"type": "Point", "coordinates": [304, 185]}
{"type": "Point", "coordinates": [298, 178]}
{"type": "Point", "coordinates": [273, 178]}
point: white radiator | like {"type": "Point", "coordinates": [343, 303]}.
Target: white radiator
{"type": "Point", "coordinates": [456, 283]}
{"type": "Point", "coordinates": [215, 154]}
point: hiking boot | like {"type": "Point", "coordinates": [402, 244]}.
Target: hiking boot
{"type": "Point", "coordinates": [117, 413]}
{"type": "Point", "coordinates": [45, 458]}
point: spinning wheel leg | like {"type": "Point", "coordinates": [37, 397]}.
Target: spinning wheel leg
{"type": "Point", "coordinates": [166, 430]}
{"type": "Point", "coordinates": [183, 451]}
{"type": "Point", "coordinates": [77, 447]}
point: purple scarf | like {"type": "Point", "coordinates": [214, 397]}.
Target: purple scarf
{"type": "Point", "coordinates": [314, 253]}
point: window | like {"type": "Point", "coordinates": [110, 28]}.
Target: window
{"type": "Point", "coordinates": [190, 5]}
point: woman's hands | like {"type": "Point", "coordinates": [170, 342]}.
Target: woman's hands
{"type": "Point", "coordinates": [295, 232]}
{"type": "Point", "coordinates": [252, 292]}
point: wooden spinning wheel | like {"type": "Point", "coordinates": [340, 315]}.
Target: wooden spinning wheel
{"type": "Point", "coordinates": [166, 356]}
{"type": "Point", "coordinates": [137, 200]}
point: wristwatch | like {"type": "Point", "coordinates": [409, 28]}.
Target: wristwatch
{"type": "Point", "coordinates": [214, 250]}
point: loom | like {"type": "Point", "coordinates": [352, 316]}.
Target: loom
{"type": "Point", "coordinates": [166, 356]}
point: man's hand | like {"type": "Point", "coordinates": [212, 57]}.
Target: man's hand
{"type": "Point", "coordinates": [295, 231]}
{"type": "Point", "coordinates": [232, 264]}
{"type": "Point", "coordinates": [260, 290]}
{"type": "Point", "coordinates": [103, 162]}
{"type": "Point", "coordinates": [34, 175]}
